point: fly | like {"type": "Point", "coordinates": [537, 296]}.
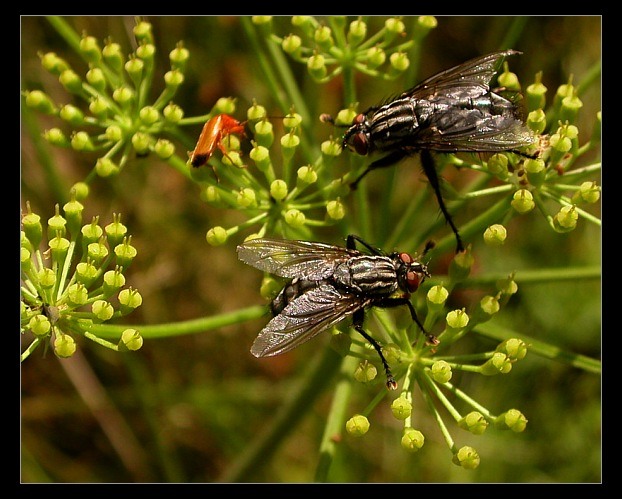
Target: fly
{"type": "Point", "coordinates": [214, 132]}
{"type": "Point", "coordinates": [329, 283]}
{"type": "Point", "coordinates": [452, 111]}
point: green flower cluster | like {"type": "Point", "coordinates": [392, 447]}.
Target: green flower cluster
{"type": "Point", "coordinates": [328, 49]}
{"type": "Point", "coordinates": [115, 88]}
{"type": "Point", "coordinates": [426, 366]}
{"type": "Point", "coordinates": [76, 281]}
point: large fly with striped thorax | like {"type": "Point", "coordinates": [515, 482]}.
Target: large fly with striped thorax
{"type": "Point", "coordinates": [452, 111]}
{"type": "Point", "coordinates": [328, 284]}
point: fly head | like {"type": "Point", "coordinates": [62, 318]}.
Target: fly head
{"type": "Point", "coordinates": [410, 272]}
{"type": "Point", "coordinates": [356, 137]}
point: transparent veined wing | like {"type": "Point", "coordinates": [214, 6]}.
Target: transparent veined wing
{"type": "Point", "coordinates": [286, 258]}
{"type": "Point", "coordinates": [308, 315]}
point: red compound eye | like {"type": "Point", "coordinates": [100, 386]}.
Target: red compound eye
{"type": "Point", "coordinates": [360, 143]}
{"type": "Point", "coordinates": [406, 258]}
{"type": "Point", "coordinates": [412, 281]}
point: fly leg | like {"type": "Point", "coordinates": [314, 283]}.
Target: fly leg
{"type": "Point", "coordinates": [351, 244]}
{"type": "Point", "coordinates": [427, 161]}
{"type": "Point", "coordinates": [388, 160]}
{"type": "Point", "coordinates": [357, 323]}
{"type": "Point", "coordinates": [396, 302]}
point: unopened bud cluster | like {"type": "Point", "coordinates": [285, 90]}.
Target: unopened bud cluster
{"type": "Point", "coordinates": [115, 89]}
{"type": "Point", "coordinates": [326, 48]}
{"type": "Point", "coordinates": [73, 278]}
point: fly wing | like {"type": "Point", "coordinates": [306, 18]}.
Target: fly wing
{"type": "Point", "coordinates": [476, 72]}
{"type": "Point", "coordinates": [285, 258]}
{"type": "Point", "coordinates": [303, 318]}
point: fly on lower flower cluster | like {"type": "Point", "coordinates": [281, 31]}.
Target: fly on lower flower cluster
{"type": "Point", "coordinates": [329, 283]}
{"type": "Point", "coordinates": [452, 111]}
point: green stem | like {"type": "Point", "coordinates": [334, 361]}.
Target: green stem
{"type": "Point", "coordinates": [539, 276]}
{"type": "Point", "coordinates": [546, 350]}
{"type": "Point", "coordinates": [66, 32]}
{"type": "Point", "coordinates": [193, 326]}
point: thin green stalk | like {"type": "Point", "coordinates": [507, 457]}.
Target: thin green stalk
{"type": "Point", "coordinates": [335, 421]}
{"type": "Point", "coordinates": [540, 348]}
{"type": "Point", "coordinates": [193, 326]}
{"type": "Point", "coordinates": [538, 276]}
{"type": "Point", "coordinates": [63, 28]}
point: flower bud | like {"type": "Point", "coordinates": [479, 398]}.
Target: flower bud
{"type": "Point", "coordinates": [399, 63]}
{"type": "Point", "coordinates": [588, 192]}
{"type": "Point", "coordinates": [536, 121]}
{"type": "Point", "coordinates": [292, 120]}
{"type": "Point", "coordinates": [59, 247]}
{"type": "Point", "coordinates": [216, 236]}
{"type": "Point", "coordinates": [357, 32]}
{"type": "Point", "coordinates": [56, 225]}
{"type": "Point", "coordinates": [536, 94]}
{"type": "Point", "coordinates": [522, 201]}
{"type": "Point", "coordinates": [80, 141]}
{"type": "Point", "coordinates": [508, 80]}
{"type": "Point", "coordinates": [123, 96]}
{"type": "Point", "coordinates": [125, 253]}
{"type": "Point", "coordinates": [173, 79]}
{"type": "Point", "coordinates": [114, 280]}
{"type": "Point", "coordinates": [498, 165]}
{"type": "Point", "coordinates": [102, 310]}
{"type": "Point", "coordinates": [105, 167]}
{"type": "Point", "coordinates": [77, 295]}
{"type": "Point", "coordinates": [97, 252]}
{"type": "Point", "coordinates": [365, 372]}
{"type": "Point", "coordinates": [331, 148]}
{"type": "Point", "coordinates": [412, 440]}
{"type": "Point", "coordinates": [173, 113]}
{"type": "Point", "coordinates": [264, 135]}
{"type": "Point", "coordinates": [89, 48]}
{"type": "Point", "coordinates": [261, 156]}
{"type": "Point", "coordinates": [143, 32]}
{"type": "Point", "coordinates": [131, 339]}
{"type": "Point", "coordinates": [39, 325]}
{"type": "Point", "coordinates": [179, 56]}
{"type": "Point", "coordinates": [73, 214]}
{"type": "Point", "coordinates": [164, 148]}
{"type": "Point", "coordinates": [56, 137]}
{"type": "Point", "coordinates": [99, 108]}
{"type": "Point", "coordinates": [536, 171]}
{"type": "Point", "coordinates": [114, 133]}
{"type": "Point", "coordinates": [291, 45]}
{"type": "Point", "coordinates": [294, 218]}
{"type": "Point", "coordinates": [436, 297]}
{"type": "Point", "coordinates": [401, 407]}
{"type": "Point", "coordinates": [39, 101]}
{"type": "Point", "coordinates": [256, 112]}
{"type": "Point", "coordinates": [47, 278]}
{"type": "Point", "coordinates": [115, 231]}
{"type": "Point", "coordinates": [129, 300]}
{"type": "Point", "coordinates": [324, 38]}
{"type": "Point", "coordinates": [278, 190]}
{"type": "Point", "coordinates": [31, 223]}
{"type": "Point", "coordinates": [113, 56]}
{"type": "Point", "coordinates": [392, 28]}
{"type": "Point", "coordinates": [357, 425]}
{"type": "Point", "coordinates": [64, 345]}
{"type": "Point", "coordinates": [566, 219]}
{"type": "Point", "coordinates": [499, 363]}
{"type": "Point", "coordinates": [489, 305]}
{"type": "Point", "coordinates": [306, 175]}
{"type": "Point", "coordinates": [335, 209]}
{"type": "Point", "coordinates": [507, 286]}
{"type": "Point", "coordinates": [71, 81]}
{"type": "Point", "coordinates": [86, 273]}
{"type": "Point", "coordinates": [495, 235]}
{"type": "Point", "coordinates": [474, 422]}
{"type": "Point", "coordinates": [52, 63]}
{"type": "Point", "coordinates": [317, 67]}
{"type": "Point", "coordinates": [375, 58]}
{"type": "Point", "coordinates": [149, 115]}
{"type": "Point", "coordinates": [466, 457]}
{"type": "Point", "coordinates": [441, 371]}
{"type": "Point", "coordinates": [514, 348]}
{"type": "Point", "coordinates": [511, 420]}
{"type": "Point", "coordinates": [457, 319]}
{"type": "Point", "coordinates": [91, 232]}
{"type": "Point", "coordinates": [460, 266]}
{"type": "Point", "coordinates": [570, 108]}
{"type": "Point", "coordinates": [246, 198]}
{"type": "Point", "coordinates": [141, 142]}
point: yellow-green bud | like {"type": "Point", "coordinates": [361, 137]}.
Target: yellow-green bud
{"type": "Point", "coordinates": [335, 209]}
{"type": "Point", "coordinates": [278, 189]}
{"type": "Point", "coordinates": [588, 192]}
{"type": "Point", "coordinates": [436, 297]}
{"type": "Point", "coordinates": [522, 201]}
{"type": "Point", "coordinates": [164, 148]}
{"type": "Point", "coordinates": [40, 101]}
{"type": "Point", "coordinates": [295, 218]}
{"type": "Point", "coordinates": [47, 278]}
{"type": "Point", "coordinates": [499, 363]}
{"type": "Point", "coordinates": [498, 165]}
{"type": "Point", "coordinates": [102, 310]}
{"type": "Point", "coordinates": [89, 47]}
{"type": "Point", "coordinates": [56, 137]}
{"type": "Point", "coordinates": [441, 371]}
{"type": "Point", "coordinates": [324, 38]}
{"type": "Point", "coordinates": [40, 325]}
{"type": "Point", "coordinates": [317, 67]}
{"type": "Point", "coordinates": [307, 175]}
{"type": "Point", "coordinates": [125, 253]}
{"type": "Point", "coordinates": [71, 81]}
{"type": "Point", "coordinates": [466, 457]}
{"type": "Point", "coordinates": [514, 348]}
{"type": "Point", "coordinates": [173, 113]}
{"type": "Point", "coordinates": [401, 407]}
{"type": "Point", "coordinates": [473, 422]}
{"type": "Point", "coordinates": [357, 32]}
{"type": "Point", "coordinates": [246, 198]}
{"type": "Point", "coordinates": [216, 236]}
{"type": "Point", "coordinates": [80, 141]}
{"type": "Point", "coordinates": [365, 372]}
{"type": "Point", "coordinates": [129, 300]}
{"type": "Point", "coordinates": [64, 345]}
{"type": "Point", "coordinates": [131, 339]}
{"type": "Point", "coordinates": [291, 45]}
{"type": "Point", "coordinates": [375, 57]}
{"type": "Point", "coordinates": [114, 280]}
{"type": "Point", "coordinates": [457, 319]}
{"type": "Point", "coordinates": [114, 133]}
{"type": "Point", "coordinates": [331, 147]}
{"type": "Point", "coordinates": [536, 121]}
{"type": "Point", "coordinates": [357, 425]}
{"type": "Point", "coordinates": [536, 171]}
{"type": "Point", "coordinates": [141, 142]}
{"type": "Point", "coordinates": [565, 219]}
{"type": "Point", "coordinates": [495, 235]}
{"type": "Point", "coordinates": [86, 273]}
{"type": "Point", "coordinates": [77, 294]}
{"type": "Point", "coordinates": [412, 440]}
{"type": "Point", "coordinates": [173, 79]}
{"type": "Point", "coordinates": [149, 115]}
{"type": "Point", "coordinates": [536, 94]}
{"type": "Point", "coordinates": [97, 252]}
{"type": "Point", "coordinates": [511, 420]}
{"type": "Point", "coordinates": [105, 167]}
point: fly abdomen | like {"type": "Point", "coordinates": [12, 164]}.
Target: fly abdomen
{"type": "Point", "coordinates": [393, 123]}
{"type": "Point", "coordinates": [290, 292]}
{"type": "Point", "coordinates": [369, 275]}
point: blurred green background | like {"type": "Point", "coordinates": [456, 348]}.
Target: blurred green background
{"type": "Point", "coordinates": [185, 409]}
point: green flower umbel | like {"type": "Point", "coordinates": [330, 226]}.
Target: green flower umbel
{"type": "Point", "coordinates": [76, 281]}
